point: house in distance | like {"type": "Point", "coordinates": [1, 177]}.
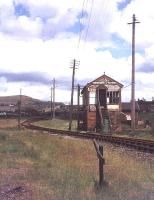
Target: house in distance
{"type": "Point", "coordinates": [101, 105]}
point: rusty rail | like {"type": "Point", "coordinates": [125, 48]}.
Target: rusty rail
{"type": "Point", "coordinates": [139, 144]}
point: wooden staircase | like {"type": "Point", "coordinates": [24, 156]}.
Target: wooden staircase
{"type": "Point", "coordinates": [105, 121]}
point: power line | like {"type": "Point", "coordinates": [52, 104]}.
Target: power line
{"type": "Point", "coordinates": [105, 6]}
{"type": "Point", "coordinates": [127, 85]}
{"type": "Point", "coordinates": [89, 20]}
{"type": "Point", "coordinates": [80, 30]}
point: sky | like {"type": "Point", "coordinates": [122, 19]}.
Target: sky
{"type": "Point", "coordinates": [40, 38]}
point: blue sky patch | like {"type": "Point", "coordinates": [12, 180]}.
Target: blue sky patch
{"type": "Point", "coordinates": [117, 52]}
{"type": "Point", "coordinates": [21, 10]}
{"type": "Point", "coordinates": [120, 47]}
{"type": "Point", "coordinates": [76, 28]}
{"type": "Point", "coordinates": [82, 14]}
{"type": "Point", "coordinates": [122, 5]}
{"type": "Point", "coordinates": [147, 67]}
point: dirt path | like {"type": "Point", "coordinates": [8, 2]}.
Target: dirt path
{"type": "Point", "coordinates": [11, 189]}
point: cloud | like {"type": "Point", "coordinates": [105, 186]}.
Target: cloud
{"type": "Point", "coordinates": [33, 77]}
{"type": "Point", "coordinates": [144, 30]}
{"type": "Point", "coordinates": [147, 67]}
{"type": "Point", "coordinates": [18, 26]}
{"type": "Point", "coordinates": [36, 78]}
{"type": "Point", "coordinates": [39, 38]}
{"type": "Point", "coordinates": [28, 19]}
{"type": "Point", "coordinates": [3, 89]}
{"type": "Point", "coordinates": [39, 78]}
{"type": "Point", "coordinates": [47, 19]}
{"type": "Point", "coordinates": [3, 86]}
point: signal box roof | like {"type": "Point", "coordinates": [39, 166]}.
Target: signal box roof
{"type": "Point", "coordinates": [102, 80]}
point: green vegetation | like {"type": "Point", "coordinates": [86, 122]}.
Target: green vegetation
{"type": "Point", "coordinates": [57, 124]}
{"type": "Point", "coordinates": [141, 134]}
{"type": "Point", "coordinates": [148, 116]}
{"type": "Point", "coordinates": [142, 131]}
{"type": "Point", "coordinates": [63, 124]}
{"type": "Point", "coordinates": [67, 169]}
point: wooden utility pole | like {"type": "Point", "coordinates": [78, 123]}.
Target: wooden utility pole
{"type": "Point", "coordinates": [54, 86]}
{"type": "Point", "coordinates": [72, 93]}
{"type": "Point", "coordinates": [133, 74]}
{"type": "Point", "coordinates": [78, 102]}
{"type": "Point", "coordinates": [19, 110]}
{"type": "Point", "coordinates": [51, 114]}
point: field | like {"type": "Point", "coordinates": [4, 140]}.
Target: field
{"type": "Point", "coordinates": [63, 124]}
{"type": "Point", "coordinates": [57, 124]}
{"type": "Point", "coordinates": [42, 167]}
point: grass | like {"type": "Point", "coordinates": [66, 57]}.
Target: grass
{"type": "Point", "coordinates": [63, 124]}
{"type": "Point", "coordinates": [8, 123]}
{"type": "Point", "coordinates": [141, 134]}
{"type": "Point", "coordinates": [67, 169]}
{"type": "Point", "coordinates": [148, 116]}
{"type": "Point", "coordinates": [57, 124]}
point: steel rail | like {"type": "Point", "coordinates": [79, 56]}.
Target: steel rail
{"type": "Point", "coordinates": [139, 144]}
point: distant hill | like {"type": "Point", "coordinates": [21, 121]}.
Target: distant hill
{"type": "Point", "coordinates": [14, 99]}
{"type": "Point", "coordinates": [26, 102]}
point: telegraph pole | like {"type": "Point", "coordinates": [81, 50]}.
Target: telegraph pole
{"type": "Point", "coordinates": [72, 93]}
{"type": "Point", "coordinates": [133, 74]}
{"type": "Point", "coordinates": [78, 102]}
{"type": "Point", "coordinates": [19, 110]}
{"type": "Point", "coordinates": [51, 115]}
{"type": "Point", "coordinates": [54, 86]}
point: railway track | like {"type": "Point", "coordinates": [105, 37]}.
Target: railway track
{"type": "Point", "coordinates": [139, 144]}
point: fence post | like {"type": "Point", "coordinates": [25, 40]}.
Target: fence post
{"type": "Point", "coordinates": [99, 151]}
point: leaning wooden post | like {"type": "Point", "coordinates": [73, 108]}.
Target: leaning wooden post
{"type": "Point", "coordinates": [99, 151]}
{"type": "Point", "coordinates": [101, 165]}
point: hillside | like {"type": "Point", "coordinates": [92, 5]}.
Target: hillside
{"type": "Point", "coordinates": [15, 98]}
{"type": "Point", "coordinates": [9, 103]}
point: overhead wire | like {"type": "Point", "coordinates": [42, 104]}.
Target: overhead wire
{"type": "Point", "coordinates": [84, 7]}
{"type": "Point", "coordinates": [100, 18]}
{"type": "Point", "coordinates": [85, 25]}
{"type": "Point", "coordinates": [128, 85]}
{"type": "Point", "coordinates": [89, 20]}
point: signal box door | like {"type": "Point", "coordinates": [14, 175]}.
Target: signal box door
{"type": "Point", "coordinates": [102, 97]}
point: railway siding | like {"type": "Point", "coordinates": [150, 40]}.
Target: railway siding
{"type": "Point", "coordinates": [139, 144]}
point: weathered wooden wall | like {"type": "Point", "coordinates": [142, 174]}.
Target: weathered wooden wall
{"type": "Point", "coordinates": [91, 120]}
{"type": "Point", "coordinates": [115, 118]}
